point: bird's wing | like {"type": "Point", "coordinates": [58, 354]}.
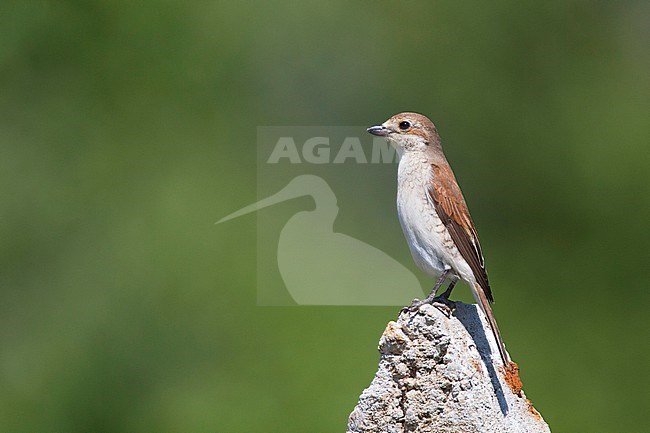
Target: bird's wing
{"type": "Point", "coordinates": [451, 209]}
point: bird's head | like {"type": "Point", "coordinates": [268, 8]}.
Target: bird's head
{"type": "Point", "coordinates": [409, 132]}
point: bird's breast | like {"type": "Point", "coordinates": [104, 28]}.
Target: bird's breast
{"type": "Point", "coordinates": [429, 241]}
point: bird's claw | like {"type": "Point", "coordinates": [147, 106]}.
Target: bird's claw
{"type": "Point", "coordinates": [441, 302]}
{"type": "Point", "coordinates": [445, 306]}
{"type": "Point", "coordinates": [415, 305]}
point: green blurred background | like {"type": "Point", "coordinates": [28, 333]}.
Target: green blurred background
{"type": "Point", "coordinates": [128, 128]}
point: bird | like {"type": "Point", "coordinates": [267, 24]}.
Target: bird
{"type": "Point", "coordinates": [434, 216]}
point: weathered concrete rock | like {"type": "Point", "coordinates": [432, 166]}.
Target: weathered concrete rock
{"type": "Point", "coordinates": [443, 374]}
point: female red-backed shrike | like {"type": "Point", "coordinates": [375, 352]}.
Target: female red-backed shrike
{"type": "Point", "coordinates": [434, 216]}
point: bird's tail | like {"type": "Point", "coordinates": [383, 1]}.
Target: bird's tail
{"type": "Point", "coordinates": [484, 304]}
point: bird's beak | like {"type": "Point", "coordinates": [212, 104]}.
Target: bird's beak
{"type": "Point", "coordinates": [379, 130]}
{"type": "Point", "coordinates": [287, 193]}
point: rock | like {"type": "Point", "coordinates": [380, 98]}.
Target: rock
{"type": "Point", "coordinates": [442, 373]}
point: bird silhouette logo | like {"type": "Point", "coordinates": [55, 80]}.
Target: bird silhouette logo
{"type": "Point", "coordinates": [322, 267]}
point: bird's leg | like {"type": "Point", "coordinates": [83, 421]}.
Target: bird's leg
{"type": "Point", "coordinates": [417, 304]}
{"type": "Point", "coordinates": [447, 293]}
{"type": "Point", "coordinates": [443, 303]}
{"type": "Point", "coordinates": [439, 283]}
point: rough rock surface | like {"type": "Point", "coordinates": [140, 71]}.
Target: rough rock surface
{"type": "Point", "coordinates": [443, 374]}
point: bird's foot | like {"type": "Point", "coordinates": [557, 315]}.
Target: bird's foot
{"type": "Point", "coordinates": [446, 306]}
{"type": "Point", "coordinates": [441, 302]}
{"type": "Point", "coordinates": [415, 305]}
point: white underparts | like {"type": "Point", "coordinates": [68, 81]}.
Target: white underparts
{"type": "Point", "coordinates": [430, 243]}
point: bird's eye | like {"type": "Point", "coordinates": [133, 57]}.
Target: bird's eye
{"type": "Point", "coordinates": [404, 125]}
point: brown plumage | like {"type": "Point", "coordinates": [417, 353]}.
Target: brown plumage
{"type": "Point", "coordinates": [452, 210]}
